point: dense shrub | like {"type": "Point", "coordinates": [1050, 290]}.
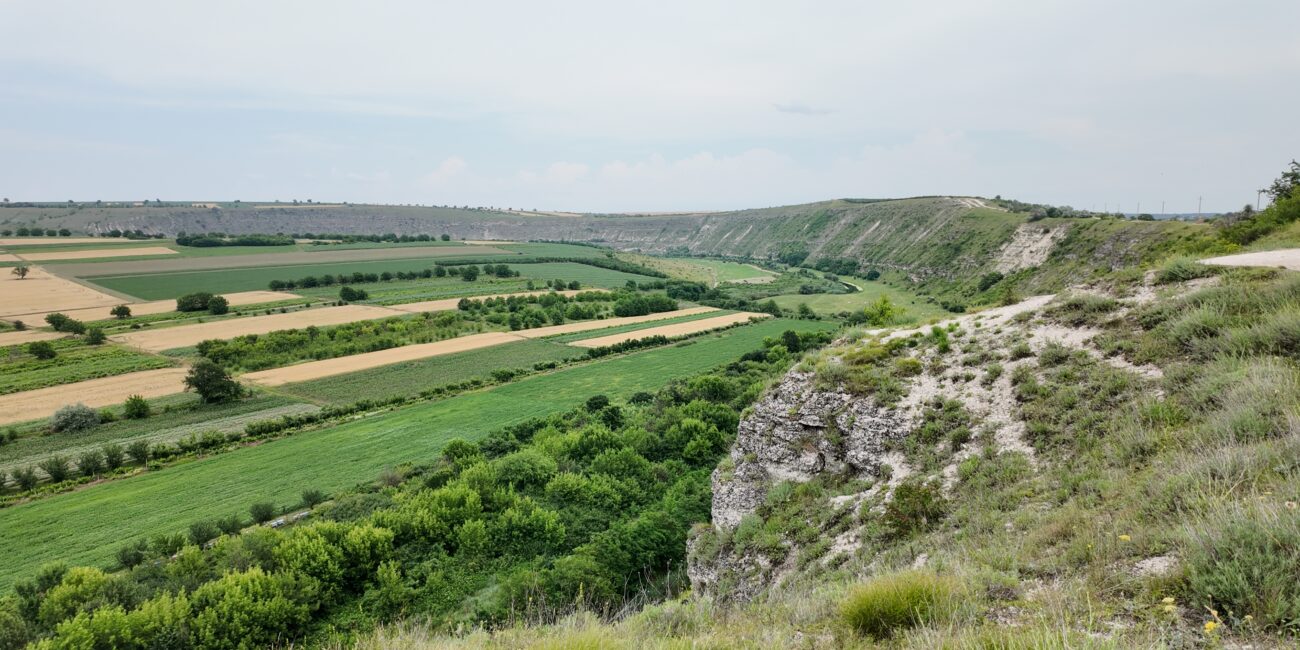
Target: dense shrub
{"type": "Point", "coordinates": [212, 382]}
{"type": "Point", "coordinates": [194, 302]}
{"type": "Point", "coordinates": [74, 417]}
{"type": "Point", "coordinates": [916, 507]}
{"type": "Point", "coordinates": [1244, 562]}
{"type": "Point", "coordinates": [218, 305]}
{"type": "Point", "coordinates": [349, 294]}
{"type": "Point", "coordinates": [135, 408]}
{"type": "Point", "coordinates": [41, 350]}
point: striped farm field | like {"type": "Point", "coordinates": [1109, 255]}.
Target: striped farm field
{"type": "Point", "coordinates": [365, 361]}
{"type": "Point", "coordinates": [74, 363]}
{"type": "Point", "coordinates": [674, 330]}
{"type": "Point", "coordinates": [182, 336]}
{"type": "Point", "coordinates": [88, 525]}
{"type": "Point", "coordinates": [239, 299]}
{"type": "Point", "coordinates": [411, 377]}
{"type": "Point", "coordinates": [93, 253]}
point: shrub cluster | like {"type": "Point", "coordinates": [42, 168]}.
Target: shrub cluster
{"type": "Point", "coordinates": [215, 239]}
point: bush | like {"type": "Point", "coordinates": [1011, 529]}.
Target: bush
{"type": "Point", "coordinates": [25, 478]}
{"type": "Point", "coordinates": [56, 467]}
{"type": "Point", "coordinates": [896, 602]}
{"type": "Point", "coordinates": [74, 417]}
{"type": "Point", "coordinates": [132, 554]}
{"type": "Point", "coordinates": [90, 464]}
{"type": "Point", "coordinates": [218, 306]}
{"type": "Point", "coordinates": [138, 451]}
{"type": "Point", "coordinates": [1053, 354]}
{"type": "Point", "coordinates": [348, 294]}
{"type": "Point", "coordinates": [262, 512]}
{"type": "Point", "coordinates": [41, 350]}
{"type": "Point", "coordinates": [915, 508]}
{"type": "Point", "coordinates": [596, 403]}
{"type": "Point", "coordinates": [1244, 563]}
{"type": "Point", "coordinates": [121, 312]}
{"type": "Point", "coordinates": [194, 302]}
{"type": "Point", "coordinates": [202, 531]}
{"type": "Point", "coordinates": [1182, 269]}
{"type": "Point", "coordinates": [136, 408]}
{"type": "Point", "coordinates": [312, 498]}
{"type": "Point", "coordinates": [114, 456]}
{"type": "Point", "coordinates": [95, 336]}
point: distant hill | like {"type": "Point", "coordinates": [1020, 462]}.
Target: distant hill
{"type": "Point", "coordinates": [943, 242]}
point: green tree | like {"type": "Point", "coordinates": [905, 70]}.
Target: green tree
{"type": "Point", "coordinates": [136, 407]}
{"type": "Point", "coordinates": [212, 382]}
{"type": "Point", "coordinates": [250, 609]}
{"type": "Point", "coordinates": [41, 350]}
{"type": "Point", "coordinates": [469, 273]}
{"type": "Point", "coordinates": [21, 271]}
{"type": "Point", "coordinates": [95, 336]}
{"type": "Point", "coordinates": [218, 305]}
{"type": "Point", "coordinates": [262, 512]}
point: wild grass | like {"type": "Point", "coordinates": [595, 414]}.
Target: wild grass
{"type": "Point", "coordinates": [886, 605]}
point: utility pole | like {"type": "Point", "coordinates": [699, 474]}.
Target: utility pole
{"type": "Point", "coordinates": [1257, 193]}
{"type": "Point", "coordinates": [1162, 207]}
{"type": "Point", "coordinates": [1198, 206]}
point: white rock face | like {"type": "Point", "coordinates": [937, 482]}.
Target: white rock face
{"type": "Point", "coordinates": [1029, 246]}
{"type": "Point", "coordinates": [794, 433]}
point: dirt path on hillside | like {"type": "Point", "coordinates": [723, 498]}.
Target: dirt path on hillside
{"type": "Point", "coordinates": [676, 329]}
{"type": "Point", "coordinates": [1287, 258]}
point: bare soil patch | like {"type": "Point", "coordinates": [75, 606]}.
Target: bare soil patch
{"type": "Point", "coordinates": [676, 329]}
{"type": "Point", "coordinates": [96, 253]}
{"type": "Point", "coordinates": [27, 336]}
{"type": "Point", "coordinates": [187, 335]}
{"type": "Point", "coordinates": [163, 306]}
{"type": "Point", "coordinates": [587, 326]}
{"type": "Point", "coordinates": [343, 365]}
{"type": "Point", "coordinates": [42, 292]}
{"type": "Point", "coordinates": [106, 391]}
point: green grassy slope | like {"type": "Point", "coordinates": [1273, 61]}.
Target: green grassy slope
{"type": "Point", "coordinates": [87, 526]}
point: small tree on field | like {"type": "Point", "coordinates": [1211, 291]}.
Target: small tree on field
{"type": "Point", "coordinates": [136, 408]}
{"type": "Point", "coordinates": [90, 464]}
{"type": "Point", "coordinates": [597, 402]}
{"type": "Point", "coordinates": [469, 273]}
{"type": "Point", "coordinates": [25, 478]}
{"type": "Point", "coordinates": [55, 467]}
{"type": "Point", "coordinates": [74, 417]}
{"type": "Point", "coordinates": [41, 350]}
{"type": "Point", "coordinates": [194, 301]}
{"type": "Point", "coordinates": [313, 498]}
{"type": "Point", "coordinates": [95, 336]}
{"type": "Point", "coordinates": [21, 271]}
{"type": "Point", "coordinates": [218, 305]}
{"type": "Point", "coordinates": [19, 325]}
{"type": "Point", "coordinates": [262, 512]}
{"type": "Point", "coordinates": [139, 451]}
{"type": "Point", "coordinates": [114, 456]}
{"type": "Point", "coordinates": [121, 312]}
{"type": "Point", "coordinates": [445, 237]}
{"type": "Point", "coordinates": [212, 382]}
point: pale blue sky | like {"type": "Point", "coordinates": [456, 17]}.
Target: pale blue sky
{"type": "Point", "coordinates": [604, 106]}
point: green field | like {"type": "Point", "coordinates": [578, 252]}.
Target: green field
{"type": "Point", "coordinates": [830, 304]}
{"type": "Point", "coordinates": [591, 334]}
{"type": "Point", "coordinates": [400, 291]}
{"type": "Point", "coordinates": [74, 363]}
{"type": "Point", "coordinates": [87, 526]}
{"type": "Point", "coordinates": [589, 276]}
{"type": "Point", "coordinates": [414, 376]}
{"type": "Point", "coordinates": [159, 286]}
{"type": "Point", "coordinates": [722, 271]}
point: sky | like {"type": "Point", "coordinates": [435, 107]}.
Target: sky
{"type": "Point", "coordinates": [615, 106]}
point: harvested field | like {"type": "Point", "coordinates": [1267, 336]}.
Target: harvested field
{"type": "Point", "coordinates": [46, 241]}
{"type": "Point", "coordinates": [163, 306]}
{"type": "Point", "coordinates": [343, 365]}
{"type": "Point", "coordinates": [34, 404]}
{"type": "Point", "coordinates": [186, 335]}
{"type": "Point", "coordinates": [27, 336]}
{"type": "Point", "coordinates": [448, 304]}
{"type": "Point", "coordinates": [676, 329]}
{"type": "Point", "coordinates": [488, 242]}
{"type": "Point", "coordinates": [5, 257]}
{"type": "Point", "coordinates": [95, 253]}
{"type": "Point", "coordinates": [41, 292]}
{"type": "Point", "coordinates": [586, 326]}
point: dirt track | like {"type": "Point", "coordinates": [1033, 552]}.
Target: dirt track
{"type": "Point", "coordinates": [106, 391]}
{"type": "Point", "coordinates": [95, 253]}
{"type": "Point", "coordinates": [167, 338]}
{"type": "Point", "coordinates": [1288, 258]}
{"type": "Point", "coordinates": [41, 292]}
{"type": "Point", "coordinates": [676, 329]}
{"type": "Point", "coordinates": [344, 365]}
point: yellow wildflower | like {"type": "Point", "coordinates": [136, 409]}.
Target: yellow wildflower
{"type": "Point", "coordinates": [1168, 608]}
{"type": "Point", "coordinates": [1124, 538]}
{"type": "Point", "coordinates": [1168, 600]}
{"type": "Point", "coordinates": [1209, 627]}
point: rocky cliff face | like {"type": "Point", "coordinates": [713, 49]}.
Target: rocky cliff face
{"type": "Point", "coordinates": [794, 434]}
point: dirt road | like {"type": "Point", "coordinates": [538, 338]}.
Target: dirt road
{"type": "Point", "coordinates": [1287, 258]}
